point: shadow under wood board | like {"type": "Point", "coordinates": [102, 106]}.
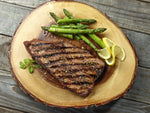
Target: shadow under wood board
{"type": "Point", "coordinates": [108, 89]}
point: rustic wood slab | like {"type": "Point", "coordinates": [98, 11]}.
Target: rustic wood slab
{"type": "Point", "coordinates": [133, 16]}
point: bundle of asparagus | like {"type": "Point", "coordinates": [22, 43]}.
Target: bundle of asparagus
{"type": "Point", "coordinates": [71, 27]}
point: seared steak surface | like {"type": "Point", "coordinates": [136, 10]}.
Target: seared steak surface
{"type": "Point", "coordinates": [75, 68]}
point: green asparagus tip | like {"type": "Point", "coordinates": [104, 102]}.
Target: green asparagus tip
{"type": "Point", "coordinates": [45, 28]}
{"type": "Point", "coordinates": [100, 30]}
{"type": "Point", "coordinates": [64, 9]}
{"type": "Point", "coordinates": [104, 29]}
{"type": "Point", "coordinates": [51, 13]}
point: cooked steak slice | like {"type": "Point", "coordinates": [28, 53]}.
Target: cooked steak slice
{"type": "Point", "coordinates": [76, 69]}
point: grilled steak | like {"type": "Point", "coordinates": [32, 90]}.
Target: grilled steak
{"type": "Point", "coordinates": [76, 69]}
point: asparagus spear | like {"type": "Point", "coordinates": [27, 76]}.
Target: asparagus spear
{"type": "Point", "coordinates": [70, 26]}
{"type": "Point", "coordinates": [89, 21]}
{"type": "Point", "coordinates": [93, 36]}
{"type": "Point", "coordinates": [65, 17]}
{"type": "Point", "coordinates": [56, 18]}
{"type": "Point", "coordinates": [68, 14]}
{"type": "Point", "coordinates": [88, 42]}
{"type": "Point", "coordinates": [71, 17]}
{"type": "Point", "coordinates": [73, 31]}
{"type": "Point", "coordinates": [97, 40]}
{"type": "Point", "coordinates": [77, 37]}
{"type": "Point", "coordinates": [70, 36]}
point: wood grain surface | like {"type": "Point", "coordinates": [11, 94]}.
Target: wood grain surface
{"type": "Point", "coordinates": [133, 16]}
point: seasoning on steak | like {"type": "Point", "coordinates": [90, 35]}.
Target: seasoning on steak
{"type": "Point", "coordinates": [76, 69]}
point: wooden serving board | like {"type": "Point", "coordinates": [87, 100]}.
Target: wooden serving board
{"type": "Point", "coordinates": [114, 84]}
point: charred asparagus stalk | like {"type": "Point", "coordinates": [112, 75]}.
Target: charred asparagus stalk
{"type": "Point", "coordinates": [56, 18]}
{"type": "Point", "coordinates": [77, 37]}
{"type": "Point", "coordinates": [88, 42]}
{"type": "Point", "coordinates": [93, 36]}
{"type": "Point", "coordinates": [73, 31]}
{"type": "Point", "coordinates": [70, 36]}
{"type": "Point", "coordinates": [97, 40]}
{"type": "Point", "coordinates": [70, 26]}
{"type": "Point", "coordinates": [71, 17]}
{"type": "Point", "coordinates": [88, 21]}
{"type": "Point", "coordinates": [66, 12]}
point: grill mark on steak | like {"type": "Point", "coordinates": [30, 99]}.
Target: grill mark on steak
{"type": "Point", "coordinates": [64, 58]}
{"type": "Point", "coordinates": [78, 75]}
{"type": "Point", "coordinates": [39, 44]}
{"type": "Point", "coordinates": [77, 80]}
{"type": "Point", "coordinates": [76, 83]}
{"type": "Point", "coordinates": [54, 44]}
{"type": "Point", "coordinates": [76, 69]}
{"type": "Point", "coordinates": [62, 65]}
{"type": "Point", "coordinates": [57, 53]}
{"type": "Point", "coordinates": [88, 61]}
{"type": "Point", "coordinates": [52, 50]}
{"type": "Point", "coordinates": [80, 89]}
{"type": "Point", "coordinates": [69, 62]}
{"type": "Point", "coordinates": [73, 68]}
{"type": "Point", "coordinates": [56, 48]}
